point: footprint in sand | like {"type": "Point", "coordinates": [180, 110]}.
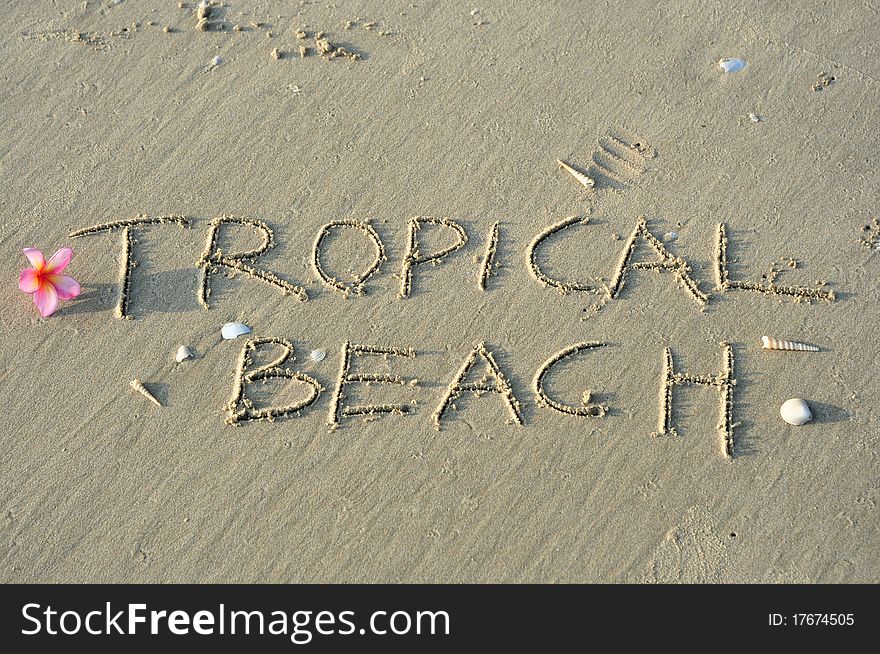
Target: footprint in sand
{"type": "Point", "coordinates": [691, 552]}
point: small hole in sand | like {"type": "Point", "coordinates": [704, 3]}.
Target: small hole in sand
{"type": "Point", "coordinates": [733, 534]}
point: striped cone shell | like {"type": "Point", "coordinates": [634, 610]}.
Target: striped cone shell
{"type": "Point", "coordinates": [770, 343]}
{"type": "Point", "coordinates": [585, 180]}
{"type": "Point", "coordinates": [140, 388]}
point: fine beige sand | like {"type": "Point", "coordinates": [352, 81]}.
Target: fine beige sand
{"type": "Point", "coordinates": [112, 111]}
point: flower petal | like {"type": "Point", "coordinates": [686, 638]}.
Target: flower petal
{"type": "Point", "coordinates": [29, 281]}
{"type": "Point", "coordinates": [35, 257]}
{"type": "Point", "coordinates": [66, 287]}
{"type": "Point", "coordinates": [46, 300]}
{"type": "Point", "coordinates": [58, 262]}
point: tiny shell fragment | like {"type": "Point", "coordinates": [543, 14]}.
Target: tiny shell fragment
{"type": "Point", "coordinates": [233, 330]}
{"type": "Point", "coordinates": [183, 353]}
{"type": "Point", "coordinates": [732, 65]}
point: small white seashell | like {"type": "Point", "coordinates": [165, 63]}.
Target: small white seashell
{"type": "Point", "coordinates": [670, 236]}
{"type": "Point", "coordinates": [732, 65]}
{"type": "Point", "coordinates": [317, 356]}
{"type": "Point", "coordinates": [770, 343]}
{"type": "Point", "coordinates": [233, 330]}
{"type": "Point", "coordinates": [140, 388]}
{"type": "Point", "coordinates": [796, 411]}
{"type": "Point", "coordinates": [183, 353]}
{"type": "Point", "coordinates": [755, 118]}
{"type": "Point", "coordinates": [216, 61]}
{"type": "Point", "coordinates": [585, 180]}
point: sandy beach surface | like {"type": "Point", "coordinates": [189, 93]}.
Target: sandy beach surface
{"type": "Point", "coordinates": [114, 111]}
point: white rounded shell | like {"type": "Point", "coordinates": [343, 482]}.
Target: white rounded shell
{"type": "Point", "coordinates": [233, 330]}
{"type": "Point", "coordinates": [317, 356]}
{"type": "Point", "coordinates": [796, 411]}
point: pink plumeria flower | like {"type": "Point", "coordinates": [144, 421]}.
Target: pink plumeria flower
{"type": "Point", "coordinates": [45, 282]}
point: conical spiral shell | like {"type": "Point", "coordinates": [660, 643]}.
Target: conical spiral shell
{"type": "Point", "coordinates": [585, 180]}
{"type": "Point", "coordinates": [770, 343]}
{"type": "Point", "coordinates": [140, 388]}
